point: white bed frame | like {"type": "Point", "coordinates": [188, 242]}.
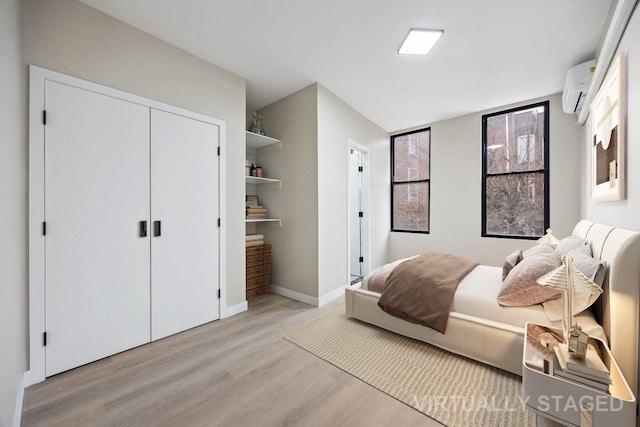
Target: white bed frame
{"type": "Point", "coordinates": [500, 345]}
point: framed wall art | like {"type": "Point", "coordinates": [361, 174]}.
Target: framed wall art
{"type": "Point", "coordinates": [608, 135]}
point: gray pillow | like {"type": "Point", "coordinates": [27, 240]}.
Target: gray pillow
{"type": "Point", "coordinates": [511, 261]}
{"type": "Point", "coordinates": [569, 243]}
{"type": "Point", "coordinates": [589, 266]}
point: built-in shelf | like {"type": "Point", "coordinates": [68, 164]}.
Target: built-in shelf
{"type": "Point", "coordinates": [262, 144]}
{"type": "Point", "coordinates": [256, 180]}
{"type": "Point", "coordinates": [272, 221]}
{"type": "Point", "coordinates": [257, 141]}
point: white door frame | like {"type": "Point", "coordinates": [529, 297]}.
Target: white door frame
{"type": "Point", "coordinates": [366, 209]}
{"type": "Point", "coordinates": [37, 320]}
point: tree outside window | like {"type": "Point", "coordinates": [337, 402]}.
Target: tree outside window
{"type": "Point", "coordinates": [410, 177]}
{"type": "Point", "coordinates": [515, 196]}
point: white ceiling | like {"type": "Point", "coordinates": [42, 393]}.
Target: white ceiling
{"type": "Point", "coordinates": [493, 52]}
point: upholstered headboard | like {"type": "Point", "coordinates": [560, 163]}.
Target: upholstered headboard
{"type": "Point", "coordinates": [618, 309]}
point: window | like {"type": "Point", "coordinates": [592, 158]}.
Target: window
{"type": "Point", "coordinates": [414, 193]}
{"type": "Point", "coordinates": [410, 164]}
{"type": "Point", "coordinates": [515, 172]}
{"type": "Point", "coordinates": [413, 149]}
{"type": "Point", "coordinates": [526, 148]}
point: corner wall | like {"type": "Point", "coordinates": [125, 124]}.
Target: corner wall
{"type": "Point", "coordinates": [337, 124]}
{"type": "Point", "coordinates": [13, 217]}
{"type": "Point", "coordinates": [456, 184]}
{"type": "Point", "coordinates": [310, 251]}
{"type": "Point", "coordinates": [623, 213]}
{"type": "Point", "coordinates": [293, 120]}
{"type": "Point", "coordinates": [72, 38]}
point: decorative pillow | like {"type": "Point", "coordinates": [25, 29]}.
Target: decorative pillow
{"type": "Point", "coordinates": [520, 288]}
{"type": "Point", "coordinates": [511, 261]}
{"type": "Point", "coordinates": [542, 248]}
{"type": "Point", "coordinates": [570, 243]}
{"type": "Point", "coordinates": [590, 267]}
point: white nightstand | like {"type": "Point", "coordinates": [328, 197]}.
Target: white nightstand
{"type": "Point", "coordinates": [560, 400]}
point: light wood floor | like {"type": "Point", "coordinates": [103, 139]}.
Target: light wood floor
{"type": "Point", "coordinates": [232, 372]}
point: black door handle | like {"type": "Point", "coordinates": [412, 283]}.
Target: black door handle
{"type": "Point", "coordinates": [157, 230]}
{"type": "Point", "coordinates": [143, 228]}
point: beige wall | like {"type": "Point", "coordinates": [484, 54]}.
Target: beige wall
{"type": "Point", "coordinates": [623, 213]}
{"type": "Point", "coordinates": [13, 217]}
{"type": "Point", "coordinates": [337, 124]}
{"type": "Point", "coordinates": [456, 180]}
{"type": "Point", "coordinates": [75, 39]}
{"type": "Point", "coordinates": [310, 255]}
{"type": "Point", "coordinates": [295, 245]}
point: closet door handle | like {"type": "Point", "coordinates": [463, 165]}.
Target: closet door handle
{"type": "Point", "coordinates": [157, 228]}
{"type": "Point", "coordinates": [143, 228]}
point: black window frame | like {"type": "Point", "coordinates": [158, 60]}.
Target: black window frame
{"type": "Point", "coordinates": [545, 170]}
{"type": "Point", "coordinates": [428, 181]}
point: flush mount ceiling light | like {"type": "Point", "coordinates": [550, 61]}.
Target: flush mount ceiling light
{"type": "Point", "coordinates": [419, 42]}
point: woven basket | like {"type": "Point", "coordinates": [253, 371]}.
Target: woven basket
{"type": "Point", "coordinates": [258, 270]}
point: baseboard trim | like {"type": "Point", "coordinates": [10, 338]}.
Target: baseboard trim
{"type": "Point", "coordinates": [17, 416]}
{"type": "Point", "coordinates": [298, 296]}
{"type": "Point", "coordinates": [336, 293]}
{"type": "Point", "coordinates": [28, 379]}
{"type": "Point", "coordinates": [314, 301]}
{"type": "Point", "coordinates": [233, 310]}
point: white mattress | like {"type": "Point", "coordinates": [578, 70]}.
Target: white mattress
{"type": "Point", "coordinates": [477, 296]}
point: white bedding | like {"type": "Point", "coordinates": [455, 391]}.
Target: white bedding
{"type": "Point", "coordinates": [500, 343]}
{"type": "Point", "coordinates": [477, 293]}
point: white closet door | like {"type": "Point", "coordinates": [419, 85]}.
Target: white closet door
{"type": "Point", "coordinates": [97, 191]}
{"type": "Point", "coordinates": [184, 204]}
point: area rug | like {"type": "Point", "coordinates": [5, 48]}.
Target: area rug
{"type": "Point", "coordinates": [453, 390]}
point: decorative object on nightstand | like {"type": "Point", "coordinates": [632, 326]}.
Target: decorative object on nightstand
{"type": "Point", "coordinates": [567, 396]}
{"type": "Point", "coordinates": [569, 279]}
{"type": "Point", "coordinates": [590, 371]}
{"type": "Point", "coordinates": [578, 340]}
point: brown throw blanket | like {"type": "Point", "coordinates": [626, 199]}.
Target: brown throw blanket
{"type": "Point", "coordinates": [420, 290]}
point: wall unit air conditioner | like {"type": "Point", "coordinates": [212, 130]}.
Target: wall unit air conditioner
{"type": "Point", "coordinates": [576, 85]}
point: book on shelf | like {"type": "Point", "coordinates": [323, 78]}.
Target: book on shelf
{"type": "Point", "coordinates": [591, 367]}
{"type": "Point", "coordinates": [257, 215]}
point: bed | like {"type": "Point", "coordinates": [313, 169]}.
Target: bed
{"type": "Point", "coordinates": [480, 329]}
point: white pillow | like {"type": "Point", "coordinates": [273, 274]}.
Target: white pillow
{"type": "Point", "coordinates": [570, 243]}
